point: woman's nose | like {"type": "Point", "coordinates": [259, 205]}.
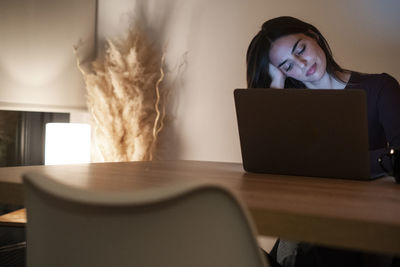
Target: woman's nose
{"type": "Point", "coordinates": [301, 62]}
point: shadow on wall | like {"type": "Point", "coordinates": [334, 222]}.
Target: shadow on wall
{"type": "Point", "coordinates": [170, 144]}
{"type": "Point", "coordinates": [157, 25]}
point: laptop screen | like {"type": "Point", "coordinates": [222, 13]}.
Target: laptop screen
{"type": "Point", "coordinates": [303, 132]}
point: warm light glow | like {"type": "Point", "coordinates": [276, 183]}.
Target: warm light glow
{"type": "Point", "coordinates": [67, 143]}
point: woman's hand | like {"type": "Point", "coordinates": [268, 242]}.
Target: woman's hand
{"type": "Point", "coordinates": [277, 76]}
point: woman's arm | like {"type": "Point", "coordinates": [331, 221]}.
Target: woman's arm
{"type": "Point", "coordinates": [388, 108]}
{"type": "Point", "coordinates": [277, 76]}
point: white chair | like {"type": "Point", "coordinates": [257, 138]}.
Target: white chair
{"type": "Point", "coordinates": [182, 225]}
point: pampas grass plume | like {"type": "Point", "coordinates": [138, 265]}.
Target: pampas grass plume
{"type": "Point", "coordinates": [126, 97]}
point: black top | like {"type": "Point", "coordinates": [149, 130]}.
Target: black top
{"type": "Point", "coordinates": [383, 109]}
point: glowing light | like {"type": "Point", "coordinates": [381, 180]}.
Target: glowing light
{"type": "Point", "coordinates": [67, 143]}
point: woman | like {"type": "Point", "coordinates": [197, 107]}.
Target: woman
{"type": "Point", "coordinates": [290, 53]}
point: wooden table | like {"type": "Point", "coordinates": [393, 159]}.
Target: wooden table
{"type": "Point", "coordinates": [16, 218]}
{"type": "Point", "coordinates": [345, 213]}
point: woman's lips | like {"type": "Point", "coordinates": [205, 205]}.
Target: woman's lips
{"type": "Point", "coordinates": [312, 69]}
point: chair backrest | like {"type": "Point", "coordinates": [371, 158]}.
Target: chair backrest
{"type": "Point", "coordinates": [181, 225]}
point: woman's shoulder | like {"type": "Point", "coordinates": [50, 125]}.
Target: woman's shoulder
{"type": "Point", "coordinates": [371, 80]}
{"type": "Point", "coordinates": [359, 76]}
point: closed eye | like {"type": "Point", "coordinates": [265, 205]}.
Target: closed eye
{"type": "Point", "coordinates": [288, 68]}
{"type": "Point", "coordinates": [302, 50]}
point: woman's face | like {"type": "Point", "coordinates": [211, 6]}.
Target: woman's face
{"type": "Point", "coordinates": [298, 56]}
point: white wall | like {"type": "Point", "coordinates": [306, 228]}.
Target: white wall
{"type": "Point", "coordinates": [37, 63]}
{"type": "Point", "coordinates": [363, 35]}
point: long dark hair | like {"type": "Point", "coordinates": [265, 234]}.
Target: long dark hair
{"type": "Point", "coordinates": [257, 58]}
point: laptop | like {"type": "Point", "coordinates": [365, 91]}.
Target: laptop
{"type": "Point", "coordinates": [304, 132]}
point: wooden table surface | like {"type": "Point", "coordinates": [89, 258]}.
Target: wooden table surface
{"type": "Point", "coordinates": [16, 218]}
{"type": "Point", "coordinates": [345, 213]}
